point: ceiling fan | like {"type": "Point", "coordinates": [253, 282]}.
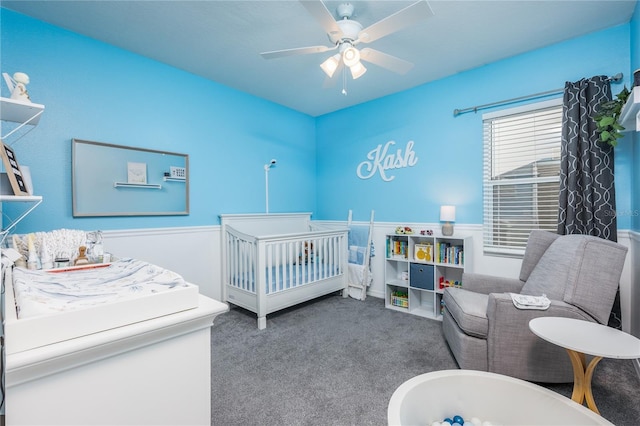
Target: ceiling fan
{"type": "Point", "coordinates": [345, 34]}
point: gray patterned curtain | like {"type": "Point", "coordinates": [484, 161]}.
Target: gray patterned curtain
{"type": "Point", "coordinates": [587, 194]}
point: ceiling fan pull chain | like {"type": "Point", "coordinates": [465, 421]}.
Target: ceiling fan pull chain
{"type": "Point", "coordinates": [344, 81]}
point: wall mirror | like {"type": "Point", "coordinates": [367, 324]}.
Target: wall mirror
{"type": "Point", "coordinates": [115, 180]}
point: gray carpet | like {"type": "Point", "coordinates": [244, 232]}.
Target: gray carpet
{"type": "Point", "coordinates": [336, 361]}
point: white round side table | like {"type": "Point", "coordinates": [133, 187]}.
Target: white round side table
{"type": "Point", "coordinates": [582, 338]}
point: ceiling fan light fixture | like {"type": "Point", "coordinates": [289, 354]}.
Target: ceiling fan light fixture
{"type": "Point", "coordinates": [351, 56]}
{"type": "Point", "coordinates": [331, 65]}
{"type": "Point", "coordinates": [357, 70]}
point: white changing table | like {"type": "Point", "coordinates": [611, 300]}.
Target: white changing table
{"type": "Point", "coordinates": [151, 372]}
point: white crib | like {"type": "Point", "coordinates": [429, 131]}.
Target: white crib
{"type": "Point", "coordinates": [274, 261]}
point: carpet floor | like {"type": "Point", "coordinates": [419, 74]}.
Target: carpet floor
{"type": "Point", "coordinates": [336, 361]}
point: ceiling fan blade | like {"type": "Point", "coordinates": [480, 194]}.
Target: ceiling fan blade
{"type": "Point", "coordinates": [406, 17]}
{"type": "Point", "coordinates": [319, 11]}
{"type": "Point", "coordinates": [296, 51]}
{"type": "Point", "coordinates": [389, 62]}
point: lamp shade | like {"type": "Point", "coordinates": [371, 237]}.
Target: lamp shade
{"type": "Point", "coordinates": [351, 56]}
{"type": "Point", "coordinates": [447, 213]}
{"type": "Point", "coordinates": [357, 70]}
{"type": "Point", "coordinates": [331, 65]}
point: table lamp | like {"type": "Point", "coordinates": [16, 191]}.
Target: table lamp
{"type": "Point", "coordinates": [447, 215]}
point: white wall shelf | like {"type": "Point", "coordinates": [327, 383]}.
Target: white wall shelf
{"type": "Point", "coordinates": [419, 267]}
{"type": "Point", "coordinates": [20, 198]}
{"type": "Point", "coordinates": [630, 114]}
{"type": "Point", "coordinates": [20, 112]}
{"type": "Point", "coordinates": [137, 185]}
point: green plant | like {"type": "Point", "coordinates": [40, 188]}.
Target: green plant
{"type": "Point", "coordinates": [607, 119]}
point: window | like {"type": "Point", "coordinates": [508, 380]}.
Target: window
{"type": "Point", "coordinates": [521, 174]}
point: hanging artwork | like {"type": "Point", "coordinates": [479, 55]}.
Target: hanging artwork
{"type": "Point", "coordinates": [12, 168]}
{"type": "Point", "coordinates": [136, 172]}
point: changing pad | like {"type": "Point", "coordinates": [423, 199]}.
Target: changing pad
{"type": "Point", "coordinates": [52, 307]}
{"type": "Point", "coordinates": [44, 292]}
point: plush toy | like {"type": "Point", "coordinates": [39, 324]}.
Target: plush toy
{"type": "Point", "coordinates": [18, 86]}
{"type": "Point", "coordinates": [308, 253]}
{"type": "Point", "coordinates": [403, 230]}
{"type": "Point", "coordinates": [82, 256]}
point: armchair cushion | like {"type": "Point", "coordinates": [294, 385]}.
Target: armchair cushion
{"type": "Point", "coordinates": [469, 309]}
{"type": "Point", "coordinates": [486, 284]}
{"type": "Point", "coordinates": [537, 244]}
{"type": "Point", "coordinates": [552, 272]}
{"type": "Point", "coordinates": [577, 269]}
{"type": "Point", "coordinates": [594, 276]}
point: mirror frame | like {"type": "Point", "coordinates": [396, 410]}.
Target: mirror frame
{"type": "Point", "coordinates": [125, 186]}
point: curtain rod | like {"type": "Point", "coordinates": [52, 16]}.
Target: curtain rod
{"type": "Point", "coordinates": [616, 79]}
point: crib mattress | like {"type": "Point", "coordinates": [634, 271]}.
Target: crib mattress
{"type": "Point", "coordinates": [284, 277]}
{"type": "Point", "coordinates": [55, 306]}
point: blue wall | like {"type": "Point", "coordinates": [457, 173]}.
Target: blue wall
{"type": "Point", "coordinates": [97, 92]}
{"type": "Point", "coordinates": [449, 149]}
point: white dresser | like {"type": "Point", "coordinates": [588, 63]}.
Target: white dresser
{"type": "Point", "coordinates": [151, 372]}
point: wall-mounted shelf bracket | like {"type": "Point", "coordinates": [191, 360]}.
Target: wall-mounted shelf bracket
{"type": "Point", "coordinates": [36, 200]}
{"type": "Point", "coordinates": [20, 112]}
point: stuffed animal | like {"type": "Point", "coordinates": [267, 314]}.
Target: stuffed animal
{"type": "Point", "coordinates": [404, 230]}
{"type": "Point", "coordinates": [307, 257]}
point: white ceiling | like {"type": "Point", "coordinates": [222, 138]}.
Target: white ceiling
{"type": "Point", "coordinates": [222, 40]}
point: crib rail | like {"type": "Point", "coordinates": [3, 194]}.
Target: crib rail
{"type": "Point", "coordinates": [272, 264]}
{"type": "Point", "coordinates": [241, 258]}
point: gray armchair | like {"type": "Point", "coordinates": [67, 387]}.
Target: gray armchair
{"type": "Point", "coordinates": [485, 331]}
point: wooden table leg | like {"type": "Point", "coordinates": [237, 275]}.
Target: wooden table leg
{"type": "Point", "coordinates": [588, 394]}
{"type": "Point", "coordinates": [578, 362]}
{"type": "Point", "coordinates": [582, 376]}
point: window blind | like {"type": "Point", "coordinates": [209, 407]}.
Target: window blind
{"type": "Point", "coordinates": [521, 174]}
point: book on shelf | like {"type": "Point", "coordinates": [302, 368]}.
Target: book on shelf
{"type": "Point", "coordinates": [448, 253]}
{"type": "Point", "coordinates": [423, 252]}
{"type": "Point", "coordinates": [397, 247]}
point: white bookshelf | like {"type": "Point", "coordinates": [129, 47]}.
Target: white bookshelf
{"type": "Point", "coordinates": [420, 267]}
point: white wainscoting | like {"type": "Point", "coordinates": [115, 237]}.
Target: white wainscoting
{"type": "Point", "coordinates": [193, 252]}
{"type": "Point", "coordinates": [510, 267]}
{"type": "Point", "coordinates": [506, 267]}
{"type": "Point", "coordinates": [633, 266]}
{"type": "Point", "coordinates": [628, 285]}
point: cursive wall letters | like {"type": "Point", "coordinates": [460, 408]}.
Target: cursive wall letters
{"type": "Point", "coordinates": [380, 160]}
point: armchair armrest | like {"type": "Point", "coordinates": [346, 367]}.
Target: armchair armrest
{"type": "Point", "coordinates": [486, 284]}
{"type": "Point", "coordinates": [512, 347]}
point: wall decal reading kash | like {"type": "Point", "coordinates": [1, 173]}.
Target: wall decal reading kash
{"type": "Point", "coordinates": [378, 160]}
